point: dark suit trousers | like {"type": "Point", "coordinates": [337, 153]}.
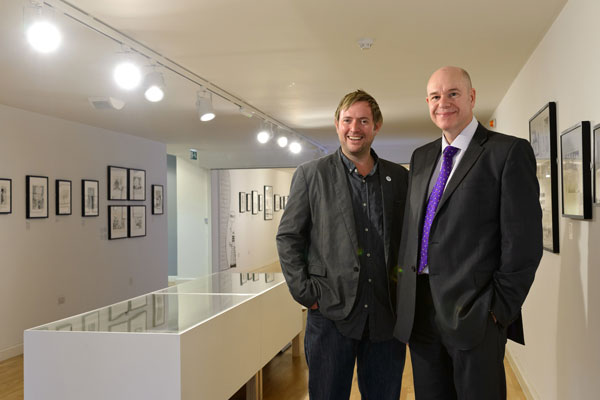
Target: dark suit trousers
{"type": "Point", "coordinates": [441, 371]}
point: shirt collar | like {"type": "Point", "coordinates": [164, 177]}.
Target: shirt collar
{"type": "Point", "coordinates": [349, 165]}
{"type": "Point", "coordinates": [464, 138]}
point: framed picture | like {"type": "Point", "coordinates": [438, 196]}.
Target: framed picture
{"type": "Point", "coordinates": [5, 196]}
{"type": "Point", "coordinates": [242, 202]}
{"type": "Point", "coordinates": [63, 197]}
{"type": "Point", "coordinates": [118, 222]}
{"type": "Point", "coordinates": [268, 202]}
{"type": "Point", "coordinates": [248, 202]}
{"type": "Point", "coordinates": [137, 184]}
{"type": "Point", "coordinates": [116, 310]}
{"type": "Point", "coordinates": [243, 278]}
{"type": "Point", "coordinates": [138, 322]}
{"type": "Point", "coordinates": [137, 221]}
{"type": "Point", "coordinates": [575, 161]}
{"type": "Point", "coordinates": [284, 201]}
{"type": "Point", "coordinates": [117, 183]}
{"type": "Point", "coordinates": [277, 202]}
{"type": "Point", "coordinates": [157, 199]}
{"type": "Point", "coordinates": [36, 196]}
{"type": "Point", "coordinates": [90, 198]}
{"type": "Point", "coordinates": [159, 310]}
{"type": "Point", "coordinates": [542, 135]}
{"type": "Point", "coordinates": [269, 277]}
{"type": "Point", "coordinates": [597, 164]}
{"type": "Point", "coordinates": [255, 202]}
{"type": "Point", "coordinates": [138, 302]}
{"type": "Point", "coordinates": [260, 202]}
{"type": "Point", "coordinates": [91, 321]}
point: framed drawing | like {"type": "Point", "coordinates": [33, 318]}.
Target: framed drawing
{"type": "Point", "coordinates": [117, 183]}
{"type": "Point", "coordinates": [91, 322]}
{"type": "Point", "coordinates": [138, 322]}
{"type": "Point", "coordinates": [575, 163]}
{"type": "Point", "coordinates": [5, 196]}
{"type": "Point", "coordinates": [254, 202]}
{"type": "Point", "coordinates": [269, 277]}
{"type": "Point", "coordinates": [90, 198]}
{"type": "Point", "coordinates": [277, 202]}
{"type": "Point", "coordinates": [542, 135]}
{"type": "Point", "coordinates": [36, 196]}
{"type": "Point", "coordinates": [242, 202]}
{"type": "Point", "coordinates": [243, 278]}
{"type": "Point", "coordinates": [284, 200]}
{"type": "Point", "coordinates": [260, 202]}
{"type": "Point", "coordinates": [248, 202]}
{"type": "Point", "coordinates": [63, 197]}
{"type": "Point", "coordinates": [158, 192]}
{"type": "Point", "coordinates": [137, 184]}
{"type": "Point", "coordinates": [597, 164]}
{"type": "Point", "coordinates": [159, 310]}
{"type": "Point", "coordinates": [268, 202]}
{"type": "Point", "coordinates": [137, 221]}
{"type": "Point", "coordinates": [118, 222]}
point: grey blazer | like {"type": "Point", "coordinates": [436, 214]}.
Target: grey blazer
{"type": "Point", "coordinates": [317, 241]}
{"type": "Point", "coordinates": [485, 242]}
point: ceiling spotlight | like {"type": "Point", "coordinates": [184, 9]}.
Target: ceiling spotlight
{"type": "Point", "coordinates": [127, 75]}
{"type": "Point", "coordinates": [263, 136]}
{"type": "Point", "coordinates": [295, 147]}
{"type": "Point", "coordinates": [155, 87]}
{"type": "Point", "coordinates": [204, 105]}
{"type": "Point", "coordinates": [43, 36]}
{"type": "Point", "coordinates": [282, 141]}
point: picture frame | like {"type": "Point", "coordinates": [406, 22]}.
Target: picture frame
{"type": "Point", "coordinates": [542, 136]}
{"type": "Point", "coordinates": [91, 321]}
{"type": "Point", "coordinates": [137, 221]}
{"type": "Point", "coordinates": [284, 200]}
{"type": "Point", "coordinates": [90, 198]}
{"type": "Point", "coordinates": [64, 197]}
{"type": "Point", "coordinates": [118, 222]}
{"type": "Point", "coordinates": [137, 184]}
{"type": "Point", "coordinates": [138, 322]}
{"type": "Point", "coordinates": [248, 202]}
{"type": "Point", "coordinates": [242, 196]}
{"type": "Point", "coordinates": [158, 315]}
{"type": "Point", "coordinates": [117, 183]}
{"type": "Point", "coordinates": [36, 196]}
{"type": "Point", "coordinates": [255, 202]}
{"type": "Point", "coordinates": [5, 196]}
{"type": "Point", "coordinates": [260, 202]}
{"type": "Point", "coordinates": [575, 161]}
{"type": "Point", "coordinates": [158, 196]}
{"type": "Point", "coordinates": [137, 302]}
{"type": "Point", "coordinates": [596, 173]}
{"type": "Point", "coordinates": [268, 196]}
{"type": "Point", "coordinates": [117, 310]}
{"type": "Point", "coordinates": [277, 202]}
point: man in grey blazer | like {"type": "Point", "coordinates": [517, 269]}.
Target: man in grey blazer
{"type": "Point", "coordinates": [472, 241]}
{"type": "Point", "coordinates": [338, 245]}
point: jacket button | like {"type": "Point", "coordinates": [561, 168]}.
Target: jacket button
{"type": "Point", "coordinates": [414, 269]}
{"type": "Point", "coordinates": [355, 269]}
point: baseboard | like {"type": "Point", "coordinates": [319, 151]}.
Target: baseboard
{"type": "Point", "coordinates": [519, 375]}
{"type": "Point", "coordinates": [11, 352]}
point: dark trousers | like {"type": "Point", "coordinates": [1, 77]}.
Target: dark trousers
{"type": "Point", "coordinates": [440, 371]}
{"type": "Point", "coordinates": [331, 356]}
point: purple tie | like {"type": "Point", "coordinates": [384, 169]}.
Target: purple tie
{"type": "Point", "coordinates": [434, 200]}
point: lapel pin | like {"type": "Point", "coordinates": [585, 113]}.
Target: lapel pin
{"type": "Point", "coordinates": [387, 178]}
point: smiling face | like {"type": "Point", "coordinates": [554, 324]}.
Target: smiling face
{"type": "Point", "coordinates": [451, 100]}
{"type": "Point", "coordinates": [356, 130]}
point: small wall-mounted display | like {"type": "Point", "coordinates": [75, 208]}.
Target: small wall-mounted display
{"type": "Point", "coordinates": [5, 196]}
{"type": "Point", "coordinates": [64, 197]}
{"type": "Point", "coordinates": [248, 202]}
{"type": "Point", "coordinates": [255, 202]}
{"type": "Point", "coordinates": [36, 197]}
{"type": "Point", "coordinates": [242, 196]}
{"type": "Point", "coordinates": [118, 222]}
{"type": "Point", "coordinates": [268, 202]}
{"type": "Point", "coordinates": [90, 198]}
{"type": "Point", "coordinates": [576, 180]}
{"type": "Point", "coordinates": [117, 183]}
{"type": "Point", "coordinates": [137, 221]}
{"type": "Point", "coordinates": [260, 202]}
{"type": "Point", "coordinates": [159, 310]}
{"type": "Point", "coordinates": [277, 202]}
{"type": "Point", "coordinates": [158, 192]}
{"type": "Point", "coordinates": [137, 184]}
{"type": "Point", "coordinates": [597, 164]}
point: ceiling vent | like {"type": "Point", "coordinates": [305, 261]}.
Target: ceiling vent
{"type": "Point", "coordinates": [106, 103]}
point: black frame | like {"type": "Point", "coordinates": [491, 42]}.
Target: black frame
{"type": "Point", "coordinates": [255, 208]}
{"type": "Point", "coordinates": [131, 193]}
{"type": "Point", "coordinates": [596, 170]}
{"type": "Point", "coordinates": [544, 146]}
{"type": "Point", "coordinates": [28, 199]}
{"type": "Point", "coordinates": [242, 196]}
{"type": "Point", "coordinates": [130, 216]}
{"type": "Point", "coordinates": [57, 196]}
{"type": "Point", "coordinates": [95, 183]}
{"type": "Point", "coordinates": [268, 215]}
{"type": "Point", "coordinates": [581, 129]}
{"type": "Point", "coordinates": [162, 200]}
{"type": "Point", "coordinates": [9, 196]}
{"type": "Point", "coordinates": [110, 171]}
{"type": "Point", "coordinates": [110, 226]}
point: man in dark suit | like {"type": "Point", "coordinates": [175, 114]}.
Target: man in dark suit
{"type": "Point", "coordinates": [338, 244]}
{"type": "Point", "coordinates": [472, 241]}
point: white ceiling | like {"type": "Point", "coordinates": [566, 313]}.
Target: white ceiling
{"type": "Point", "coordinates": [290, 59]}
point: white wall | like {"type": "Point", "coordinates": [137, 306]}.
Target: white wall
{"type": "Point", "coordinates": [193, 219]}
{"type": "Point", "coordinates": [70, 256]}
{"type": "Point", "coordinates": [562, 313]}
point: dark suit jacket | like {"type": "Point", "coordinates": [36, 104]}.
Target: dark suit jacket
{"type": "Point", "coordinates": [485, 243]}
{"type": "Point", "coordinates": [317, 241]}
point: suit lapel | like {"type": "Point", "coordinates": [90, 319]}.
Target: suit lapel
{"type": "Point", "coordinates": [343, 200]}
{"type": "Point", "coordinates": [422, 180]}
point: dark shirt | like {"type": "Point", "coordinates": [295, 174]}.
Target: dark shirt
{"type": "Point", "coordinates": [371, 313]}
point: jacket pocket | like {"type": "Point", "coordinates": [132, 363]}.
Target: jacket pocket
{"type": "Point", "coordinates": [317, 270]}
